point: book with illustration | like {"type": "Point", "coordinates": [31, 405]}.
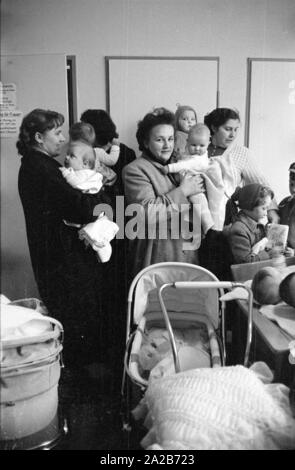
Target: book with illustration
{"type": "Point", "coordinates": [277, 235]}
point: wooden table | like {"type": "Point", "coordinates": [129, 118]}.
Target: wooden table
{"type": "Point", "coordinates": [270, 343]}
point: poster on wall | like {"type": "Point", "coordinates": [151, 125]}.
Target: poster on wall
{"type": "Point", "coordinates": [10, 122]}
{"type": "Point", "coordinates": [7, 96]}
{"type": "Point", "coordinates": [10, 117]}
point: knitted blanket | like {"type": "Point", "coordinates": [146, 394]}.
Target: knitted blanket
{"type": "Point", "coordinates": [227, 408]}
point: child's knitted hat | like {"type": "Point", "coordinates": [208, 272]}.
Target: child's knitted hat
{"type": "Point", "coordinates": [248, 195]}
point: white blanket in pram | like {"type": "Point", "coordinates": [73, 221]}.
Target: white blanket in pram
{"type": "Point", "coordinates": [228, 408]}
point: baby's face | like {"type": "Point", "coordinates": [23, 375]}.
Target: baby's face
{"type": "Point", "coordinates": [197, 144]}
{"type": "Point", "coordinates": [75, 157]}
{"type": "Point", "coordinates": [187, 120]}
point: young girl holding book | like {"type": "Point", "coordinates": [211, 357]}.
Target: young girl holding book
{"type": "Point", "coordinates": [247, 231]}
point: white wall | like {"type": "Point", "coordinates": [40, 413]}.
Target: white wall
{"type": "Point", "coordinates": [92, 29]}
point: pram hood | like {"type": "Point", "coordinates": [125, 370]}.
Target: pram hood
{"type": "Point", "coordinates": [195, 300]}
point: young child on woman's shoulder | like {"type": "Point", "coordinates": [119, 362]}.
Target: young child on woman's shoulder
{"type": "Point", "coordinates": [185, 118]}
{"type": "Point", "coordinates": [287, 208]}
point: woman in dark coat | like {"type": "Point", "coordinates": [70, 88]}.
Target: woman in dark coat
{"type": "Point", "coordinates": [68, 275]}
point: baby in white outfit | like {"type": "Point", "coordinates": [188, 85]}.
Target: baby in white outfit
{"type": "Point", "coordinates": [195, 161]}
{"type": "Point", "coordinates": [79, 171]}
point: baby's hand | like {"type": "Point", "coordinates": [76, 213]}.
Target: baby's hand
{"type": "Point", "coordinates": [66, 172]}
{"type": "Point", "coordinates": [164, 170]}
{"type": "Point", "coordinates": [289, 252]}
{"type": "Point", "coordinates": [63, 169]}
{"type": "Point", "coordinates": [115, 141]}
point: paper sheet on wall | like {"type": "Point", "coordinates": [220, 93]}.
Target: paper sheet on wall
{"type": "Point", "coordinates": [7, 96]}
{"type": "Point", "coordinates": [10, 117]}
{"type": "Point", "coordinates": [10, 122]}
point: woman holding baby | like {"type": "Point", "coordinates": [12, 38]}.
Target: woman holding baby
{"type": "Point", "coordinates": [68, 276]}
{"type": "Point", "coordinates": [238, 169]}
{"type": "Point", "coordinates": [159, 197]}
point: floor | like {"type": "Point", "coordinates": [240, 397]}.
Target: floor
{"type": "Point", "coordinates": [93, 413]}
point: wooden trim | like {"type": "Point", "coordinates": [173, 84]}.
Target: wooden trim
{"type": "Point", "coordinates": [73, 92]}
{"type": "Point", "coordinates": [248, 102]}
{"type": "Point", "coordinates": [161, 58]}
{"type": "Point", "coordinates": [109, 58]}
{"type": "Point", "coordinates": [257, 59]}
{"type": "Point", "coordinates": [218, 83]}
{"type": "Point", "coordinates": [107, 84]}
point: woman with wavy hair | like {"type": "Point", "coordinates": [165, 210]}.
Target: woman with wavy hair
{"type": "Point", "coordinates": [163, 200]}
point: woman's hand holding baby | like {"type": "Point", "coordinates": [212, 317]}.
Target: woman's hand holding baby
{"type": "Point", "coordinates": [164, 169]}
{"type": "Point", "coordinates": [191, 184]}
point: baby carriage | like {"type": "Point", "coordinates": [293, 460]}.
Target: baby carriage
{"type": "Point", "coordinates": [30, 364]}
{"type": "Point", "coordinates": [175, 322]}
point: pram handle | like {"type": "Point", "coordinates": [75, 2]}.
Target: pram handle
{"type": "Point", "coordinates": [168, 326]}
{"type": "Point", "coordinates": [224, 285]}
{"type": "Point", "coordinates": [206, 284]}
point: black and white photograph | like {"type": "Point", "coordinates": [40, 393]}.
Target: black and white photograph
{"type": "Point", "coordinates": [147, 228]}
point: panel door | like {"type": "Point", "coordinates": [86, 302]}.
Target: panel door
{"type": "Point", "coordinates": [40, 81]}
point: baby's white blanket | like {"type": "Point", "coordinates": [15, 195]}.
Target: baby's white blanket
{"type": "Point", "coordinates": [98, 233]}
{"type": "Point", "coordinates": [226, 408]}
